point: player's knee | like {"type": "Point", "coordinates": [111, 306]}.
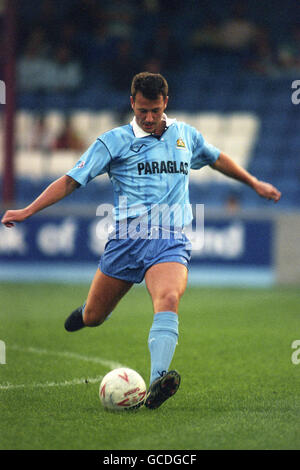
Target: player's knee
{"type": "Point", "coordinates": [169, 300]}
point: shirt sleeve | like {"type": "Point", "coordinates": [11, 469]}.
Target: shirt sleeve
{"type": "Point", "coordinates": [204, 153]}
{"type": "Point", "coordinates": [95, 161]}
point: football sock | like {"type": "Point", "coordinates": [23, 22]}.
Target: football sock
{"type": "Point", "coordinates": [162, 342]}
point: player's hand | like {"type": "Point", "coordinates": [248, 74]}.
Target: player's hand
{"type": "Point", "coordinates": [12, 216]}
{"type": "Point", "coordinates": [267, 191]}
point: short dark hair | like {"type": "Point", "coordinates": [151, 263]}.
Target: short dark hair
{"type": "Point", "coordinates": [151, 85]}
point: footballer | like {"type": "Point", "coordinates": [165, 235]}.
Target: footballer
{"type": "Point", "coordinates": [148, 162]}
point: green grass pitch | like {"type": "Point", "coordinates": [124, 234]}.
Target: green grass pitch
{"type": "Point", "coordinates": [239, 390]}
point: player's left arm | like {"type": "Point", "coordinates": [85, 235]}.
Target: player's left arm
{"type": "Point", "coordinates": [230, 168]}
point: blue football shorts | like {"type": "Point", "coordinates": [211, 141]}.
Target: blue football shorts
{"type": "Point", "coordinates": [129, 259]}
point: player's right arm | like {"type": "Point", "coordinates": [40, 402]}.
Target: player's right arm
{"type": "Point", "coordinates": [56, 191]}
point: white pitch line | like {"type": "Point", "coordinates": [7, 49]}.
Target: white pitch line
{"type": "Point", "coordinates": [69, 355]}
{"type": "Point", "coordinates": [83, 380]}
{"type": "Point", "coordinates": [110, 364]}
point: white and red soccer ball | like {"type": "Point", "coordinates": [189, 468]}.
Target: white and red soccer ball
{"type": "Point", "coordinates": [122, 389]}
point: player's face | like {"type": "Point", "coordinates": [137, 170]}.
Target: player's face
{"type": "Point", "coordinates": [148, 113]}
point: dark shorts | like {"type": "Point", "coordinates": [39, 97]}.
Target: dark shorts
{"type": "Point", "coordinates": [128, 259]}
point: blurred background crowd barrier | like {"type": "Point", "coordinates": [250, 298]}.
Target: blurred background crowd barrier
{"type": "Point", "coordinates": [233, 71]}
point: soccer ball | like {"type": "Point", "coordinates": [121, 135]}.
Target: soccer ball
{"type": "Point", "coordinates": [122, 389]}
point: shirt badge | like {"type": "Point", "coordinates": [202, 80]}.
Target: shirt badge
{"type": "Point", "coordinates": [180, 144]}
{"type": "Point", "coordinates": [81, 164]}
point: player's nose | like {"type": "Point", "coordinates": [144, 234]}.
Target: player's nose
{"type": "Point", "coordinates": [149, 117]}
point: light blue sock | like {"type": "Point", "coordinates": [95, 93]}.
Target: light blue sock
{"type": "Point", "coordinates": [162, 342]}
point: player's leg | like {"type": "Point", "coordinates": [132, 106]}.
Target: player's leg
{"type": "Point", "coordinates": [166, 283]}
{"type": "Point", "coordinates": [104, 294]}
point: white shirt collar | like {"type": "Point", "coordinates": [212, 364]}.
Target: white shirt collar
{"type": "Point", "coordinates": [139, 132]}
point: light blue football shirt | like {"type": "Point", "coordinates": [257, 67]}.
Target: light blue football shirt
{"type": "Point", "coordinates": [150, 175]}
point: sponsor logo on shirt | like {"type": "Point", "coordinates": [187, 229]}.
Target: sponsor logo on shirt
{"type": "Point", "coordinates": [150, 168]}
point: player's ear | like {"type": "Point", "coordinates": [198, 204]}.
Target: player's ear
{"type": "Point", "coordinates": [132, 101]}
{"type": "Point", "coordinates": [166, 101]}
